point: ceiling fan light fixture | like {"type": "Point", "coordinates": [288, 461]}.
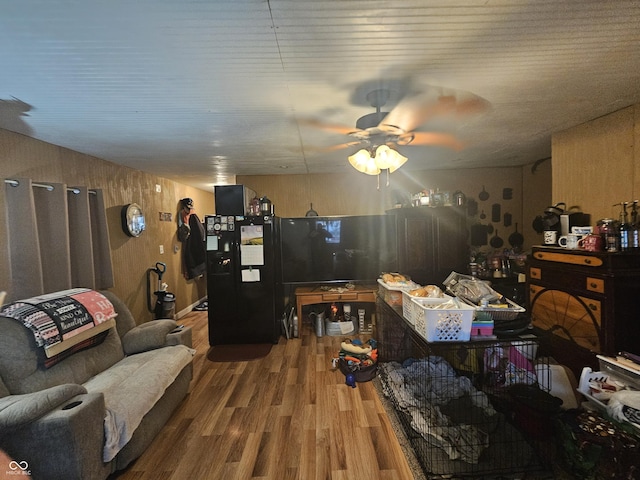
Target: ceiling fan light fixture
{"type": "Point", "coordinates": [385, 158]}
{"type": "Point", "coordinates": [364, 163]}
{"type": "Point", "coordinates": [389, 159]}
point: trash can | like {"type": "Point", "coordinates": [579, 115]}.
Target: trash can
{"type": "Point", "coordinates": [165, 305]}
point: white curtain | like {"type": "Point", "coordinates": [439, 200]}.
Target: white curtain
{"type": "Point", "coordinates": [58, 238]}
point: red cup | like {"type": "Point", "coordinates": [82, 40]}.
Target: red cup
{"type": "Point", "coordinates": [592, 243]}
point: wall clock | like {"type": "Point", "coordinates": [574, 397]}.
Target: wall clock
{"type": "Point", "coordinates": [133, 222]}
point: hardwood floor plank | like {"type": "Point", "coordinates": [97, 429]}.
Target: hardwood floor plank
{"type": "Point", "coordinates": [338, 431]}
{"type": "Point", "coordinates": [308, 454]}
{"type": "Point", "coordinates": [287, 445]}
{"type": "Point", "coordinates": [289, 415]}
{"type": "Point", "coordinates": [390, 451]}
{"type": "Point", "coordinates": [189, 464]}
{"type": "Point", "coordinates": [292, 400]}
{"type": "Point", "coordinates": [238, 440]}
{"type": "Point", "coordinates": [266, 453]}
{"type": "Point", "coordinates": [309, 415]}
{"type": "Point", "coordinates": [229, 470]}
{"type": "Point", "coordinates": [344, 398]}
{"type": "Point", "coordinates": [371, 414]}
{"type": "Point", "coordinates": [323, 454]}
{"type": "Point", "coordinates": [242, 391]}
{"type": "Point", "coordinates": [219, 425]}
{"type": "Point", "coordinates": [214, 458]}
{"type": "Point", "coordinates": [250, 451]}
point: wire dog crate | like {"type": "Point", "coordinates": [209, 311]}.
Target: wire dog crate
{"type": "Point", "coordinates": [450, 399]}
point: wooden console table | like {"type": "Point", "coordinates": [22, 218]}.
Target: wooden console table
{"type": "Point", "coordinates": [318, 294]}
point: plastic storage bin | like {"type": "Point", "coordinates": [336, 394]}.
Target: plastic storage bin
{"type": "Point", "coordinates": [444, 325]}
{"type": "Point", "coordinates": [612, 371]}
{"type": "Point", "coordinates": [482, 328]}
{"type": "Point", "coordinates": [393, 294]}
{"type": "Point", "coordinates": [411, 310]}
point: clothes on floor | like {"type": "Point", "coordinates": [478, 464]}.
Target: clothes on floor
{"type": "Point", "coordinates": [423, 388]}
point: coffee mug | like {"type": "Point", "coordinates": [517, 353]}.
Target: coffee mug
{"type": "Point", "coordinates": [569, 241]}
{"type": "Point", "coordinates": [592, 243]}
{"type": "Point", "coordinates": [550, 237]}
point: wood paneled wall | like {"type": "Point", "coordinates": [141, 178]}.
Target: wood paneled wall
{"type": "Point", "coordinates": [331, 194]}
{"type": "Point", "coordinates": [354, 193]}
{"type": "Point", "coordinates": [597, 164]}
{"type": "Point", "coordinates": [132, 257]}
{"type": "Point", "coordinates": [594, 166]}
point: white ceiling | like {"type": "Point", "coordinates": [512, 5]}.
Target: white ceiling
{"type": "Point", "coordinates": [196, 90]}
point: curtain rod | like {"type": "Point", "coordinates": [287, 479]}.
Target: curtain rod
{"type": "Point", "coordinates": [15, 183]}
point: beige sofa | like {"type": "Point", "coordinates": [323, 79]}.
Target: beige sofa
{"type": "Point", "coordinates": [97, 409]}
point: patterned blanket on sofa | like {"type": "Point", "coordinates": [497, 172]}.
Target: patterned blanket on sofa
{"type": "Point", "coordinates": [61, 320]}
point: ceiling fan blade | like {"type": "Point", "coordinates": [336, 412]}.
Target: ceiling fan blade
{"type": "Point", "coordinates": [431, 138]}
{"type": "Point", "coordinates": [408, 114]}
{"type": "Point", "coordinates": [333, 148]}
{"type": "Point", "coordinates": [334, 128]}
{"type": "Point", "coordinates": [471, 106]}
{"type": "Point", "coordinates": [414, 110]}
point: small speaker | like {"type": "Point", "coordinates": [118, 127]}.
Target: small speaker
{"type": "Point", "coordinates": [229, 199]}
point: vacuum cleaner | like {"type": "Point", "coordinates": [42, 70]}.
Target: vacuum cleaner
{"type": "Point", "coordinates": [165, 304]}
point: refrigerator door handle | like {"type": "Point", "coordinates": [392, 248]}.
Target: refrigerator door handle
{"type": "Point", "coordinates": [237, 254]}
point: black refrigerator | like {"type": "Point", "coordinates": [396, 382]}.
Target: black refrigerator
{"type": "Point", "coordinates": [243, 281]}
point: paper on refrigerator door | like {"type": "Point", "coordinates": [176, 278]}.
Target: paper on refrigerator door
{"type": "Point", "coordinates": [251, 255]}
{"type": "Point", "coordinates": [250, 275]}
{"type": "Point", "coordinates": [212, 242]}
{"type": "Point", "coordinates": [251, 245]}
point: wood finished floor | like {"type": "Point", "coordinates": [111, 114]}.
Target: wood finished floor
{"type": "Point", "coordinates": [286, 416]}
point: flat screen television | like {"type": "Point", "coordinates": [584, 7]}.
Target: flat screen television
{"type": "Point", "coordinates": [353, 248]}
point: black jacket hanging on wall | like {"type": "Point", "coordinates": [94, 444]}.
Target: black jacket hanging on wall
{"type": "Point", "coordinates": [193, 249]}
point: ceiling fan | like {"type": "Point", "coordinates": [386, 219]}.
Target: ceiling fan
{"type": "Point", "coordinates": [398, 126]}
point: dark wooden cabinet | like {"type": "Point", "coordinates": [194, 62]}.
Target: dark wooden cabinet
{"type": "Point", "coordinates": [432, 242]}
{"type": "Point", "coordinates": [586, 302]}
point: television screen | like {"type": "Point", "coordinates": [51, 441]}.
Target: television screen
{"type": "Point", "coordinates": [337, 249]}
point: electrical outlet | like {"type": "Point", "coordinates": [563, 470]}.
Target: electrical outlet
{"type": "Point", "coordinates": [161, 249]}
{"type": "Point", "coordinates": [158, 188]}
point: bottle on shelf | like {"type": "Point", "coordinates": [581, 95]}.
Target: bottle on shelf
{"type": "Point", "coordinates": [254, 206]}
{"type": "Point", "coordinates": [635, 227]}
{"type": "Point", "coordinates": [624, 228]}
{"type": "Point", "coordinates": [608, 228]}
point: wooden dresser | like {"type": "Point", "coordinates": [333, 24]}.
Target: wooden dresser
{"type": "Point", "coordinates": [587, 302]}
